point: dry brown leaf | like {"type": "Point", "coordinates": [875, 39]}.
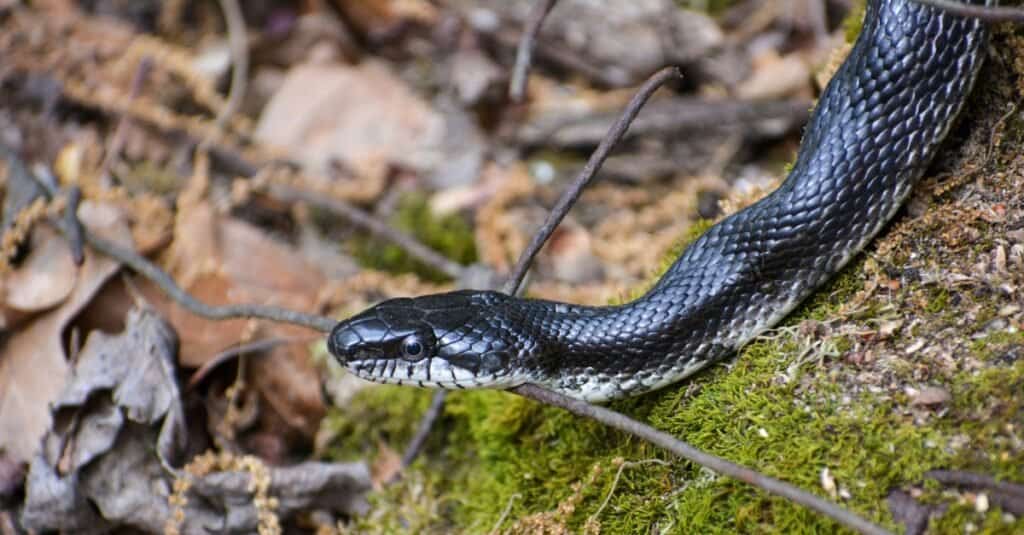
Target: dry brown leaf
{"type": "Point", "coordinates": [776, 77]}
{"type": "Point", "coordinates": [570, 254]}
{"type": "Point", "coordinates": [378, 17]}
{"type": "Point", "coordinates": [99, 466]}
{"type": "Point", "coordinates": [220, 260]}
{"type": "Point", "coordinates": [136, 368]}
{"type": "Point", "coordinates": [359, 115]}
{"type": "Point", "coordinates": [42, 280]}
{"type": "Point", "coordinates": [33, 366]}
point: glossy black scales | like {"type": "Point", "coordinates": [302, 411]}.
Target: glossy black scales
{"type": "Point", "coordinates": [875, 129]}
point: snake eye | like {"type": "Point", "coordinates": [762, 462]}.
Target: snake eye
{"type": "Point", "coordinates": [412, 347]}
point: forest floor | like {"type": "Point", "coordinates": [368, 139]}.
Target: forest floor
{"type": "Point", "coordinates": [358, 128]}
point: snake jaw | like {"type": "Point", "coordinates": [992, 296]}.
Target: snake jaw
{"type": "Point", "coordinates": [429, 373]}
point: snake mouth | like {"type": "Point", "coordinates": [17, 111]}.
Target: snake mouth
{"type": "Point", "coordinates": [428, 373]}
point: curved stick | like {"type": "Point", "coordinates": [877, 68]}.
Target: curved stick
{"type": "Point", "coordinates": [682, 449]}
{"type": "Point", "coordinates": [524, 52]}
{"type": "Point", "coordinates": [598, 157]}
{"type": "Point", "coordinates": [159, 277]}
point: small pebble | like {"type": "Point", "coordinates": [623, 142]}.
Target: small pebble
{"type": "Point", "coordinates": [981, 503]}
{"type": "Point", "coordinates": [931, 395]}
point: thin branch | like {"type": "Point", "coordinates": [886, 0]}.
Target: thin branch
{"type": "Point", "coordinates": [968, 479]}
{"type": "Point", "coordinates": [983, 13]}
{"type": "Point", "coordinates": [587, 174]}
{"type": "Point", "coordinates": [422, 432]}
{"type": "Point", "coordinates": [239, 45]}
{"type": "Point", "coordinates": [375, 226]}
{"type": "Point", "coordinates": [686, 451]}
{"type": "Point", "coordinates": [117, 139]}
{"type": "Point", "coordinates": [159, 277]}
{"type": "Point", "coordinates": [524, 52]}
{"type": "Point", "coordinates": [1008, 496]}
{"type": "Point", "coordinates": [257, 346]}
{"type": "Point", "coordinates": [504, 513]}
{"type": "Point", "coordinates": [73, 230]}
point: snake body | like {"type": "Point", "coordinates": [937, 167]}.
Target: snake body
{"type": "Point", "coordinates": [876, 128]}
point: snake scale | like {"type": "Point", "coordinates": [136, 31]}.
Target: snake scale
{"type": "Point", "coordinates": [875, 129]}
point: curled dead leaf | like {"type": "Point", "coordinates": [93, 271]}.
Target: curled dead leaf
{"type": "Point", "coordinates": [33, 364]}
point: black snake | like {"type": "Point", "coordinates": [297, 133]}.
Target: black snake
{"type": "Point", "coordinates": [875, 129]}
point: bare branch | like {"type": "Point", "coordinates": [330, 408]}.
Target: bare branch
{"type": "Point", "coordinates": [422, 432]}
{"type": "Point", "coordinates": [257, 346]}
{"type": "Point", "coordinates": [159, 277]}
{"type": "Point", "coordinates": [593, 164]}
{"type": "Point", "coordinates": [375, 226]}
{"type": "Point", "coordinates": [239, 44]}
{"type": "Point", "coordinates": [1008, 496]}
{"type": "Point", "coordinates": [113, 148]}
{"type": "Point", "coordinates": [72, 226]}
{"type": "Point", "coordinates": [984, 13]}
{"type": "Point", "coordinates": [524, 52]}
{"type": "Point", "coordinates": [682, 449]}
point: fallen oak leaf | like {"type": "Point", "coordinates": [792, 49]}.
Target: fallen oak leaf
{"type": "Point", "coordinates": [221, 260]}
{"type": "Point", "coordinates": [137, 368]}
{"type": "Point", "coordinates": [33, 364]}
{"type": "Point", "coordinates": [42, 280]}
{"type": "Point", "coordinates": [121, 398]}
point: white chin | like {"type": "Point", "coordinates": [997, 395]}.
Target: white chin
{"type": "Point", "coordinates": [429, 373]}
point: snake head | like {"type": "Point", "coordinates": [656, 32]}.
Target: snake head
{"type": "Point", "coordinates": [451, 340]}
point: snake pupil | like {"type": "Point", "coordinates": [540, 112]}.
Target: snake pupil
{"type": "Point", "coordinates": [412, 347]}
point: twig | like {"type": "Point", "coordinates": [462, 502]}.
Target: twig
{"type": "Point", "coordinates": [159, 277]}
{"type": "Point", "coordinates": [117, 139]}
{"type": "Point", "coordinates": [968, 479]}
{"type": "Point", "coordinates": [524, 52]}
{"type": "Point", "coordinates": [73, 227]}
{"type": "Point", "coordinates": [228, 354]}
{"type": "Point", "coordinates": [983, 13]}
{"type": "Point", "coordinates": [505, 512]}
{"type": "Point", "coordinates": [686, 451]}
{"type": "Point", "coordinates": [1008, 496]}
{"type": "Point", "coordinates": [153, 272]}
{"type": "Point", "coordinates": [375, 226]}
{"type": "Point", "coordinates": [566, 58]}
{"type": "Point", "coordinates": [593, 164]}
{"type": "Point", "coordinates": [239, 44]}
{"type": "Point", "coordinates": [422, 432]}
{"type": "Point", "coordinates": [615, 483]}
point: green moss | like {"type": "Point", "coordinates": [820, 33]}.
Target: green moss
{"type": "Point", "coordinates": [997, 343]}
{"type": "Point", "coordinates": [711, 7]}
{"type": "Point", "coordinates": [747, 414]}
{"type": "Point", "coordinates": [374, 416]}
{"type": "Point", "coordinates": [854, 21]}
{"type": "Point", "coordinates": [449, 235]}
{"type": "Point", "coordinates": [938, 302]}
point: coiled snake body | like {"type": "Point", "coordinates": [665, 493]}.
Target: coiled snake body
{"type": "Point", "coordinates": [875, 129]}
